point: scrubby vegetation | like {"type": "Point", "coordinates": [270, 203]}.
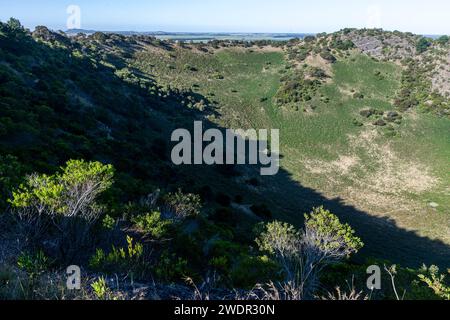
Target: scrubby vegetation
{"type": "Point", "coordinates": [291, 262]}
{"type": "Point", "coordinates": [86, 178]}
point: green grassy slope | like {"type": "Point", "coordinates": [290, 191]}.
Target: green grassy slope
{"type": "Point", "coordinates": [391, 172]}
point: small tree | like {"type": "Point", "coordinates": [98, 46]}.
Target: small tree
{"type": "Point", "coordinates": [422, 45]}
{"type": "Point", "coordinates": [325, 235]}
{"type": "Point", "coordinates": [67, 199]}
{"type": "Point", "coordinates": [14, 25]}
{"type": "Point", "coordinates": [303, 255]}
{"type": "Point", "coordinates": [443, 40]}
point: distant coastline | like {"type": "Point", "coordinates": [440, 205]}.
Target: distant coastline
{"type": "Point", "coordinates": [203, 36]}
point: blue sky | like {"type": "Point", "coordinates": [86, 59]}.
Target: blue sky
{"type": "Point", "coordinates": [423, 17]}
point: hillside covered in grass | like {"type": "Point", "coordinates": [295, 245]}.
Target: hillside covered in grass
{"type": "Point", "coordinates": [364, 119]}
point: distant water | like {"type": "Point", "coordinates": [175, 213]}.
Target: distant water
{"type": "Point", "coordinates": [204, 37]}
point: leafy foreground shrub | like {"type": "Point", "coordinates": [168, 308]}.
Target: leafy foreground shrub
{"type": "Point", "coordinates": [436, 281]}
{"type": "Point", "coordinates": [303, 254]}
{"type": "Point", "coordinates": [34, 265]}
{"type": "Point", "coordinates": [171, 268]}
{"type": "Point", "coordinates": [120, 260]}
{"type": "Point", "coordinates": [63, 204]}
{"type": "Point", "coordinates": [152, 224]}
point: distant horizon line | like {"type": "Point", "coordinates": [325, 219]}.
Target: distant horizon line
{"type": "Point", "coordinates": [161, 32]}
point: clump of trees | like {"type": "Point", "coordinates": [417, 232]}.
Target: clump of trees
{"type": "Point", "coordinates": [328, 56]}
{"type": "Point", "coordinates": [443, 40]}
{"type": "Point", "coordinates": [423, 44]}
{"type": "Point", "coordinates": [297, 88]}
{"type": "Point", "coordinates": [416, 91]}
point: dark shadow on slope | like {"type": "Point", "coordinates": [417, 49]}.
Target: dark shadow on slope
{"type": "Point", "coordinates": [136, 139]}
{"type": "Point", "coordinates": [382, 237]}
{"type": "Point", "coordinates": [289, 200]}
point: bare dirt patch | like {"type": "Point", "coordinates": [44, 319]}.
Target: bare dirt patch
{"type": "Point", "coordinates": [382, 178]}
{"type": "Point", "coordinates": [315, 60]}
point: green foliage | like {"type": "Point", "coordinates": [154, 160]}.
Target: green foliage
{"type": "Point", "coordinates": [14, 25]}
{"type": "Point", "coordinates": [152, 224]}
{"type": "Point", "coordinates": [100, 289]}
{"type": "Point", "coordinates": [249, 270]}
{"type": "Point", "coordinates": [33, 264]}
{"type": "Point", "coordinates": [66, 192]}
{"type": "Point", "coordinates": [179, 206]}
{"type": "Point", "coordinates": [61, 107]}
{"type": "Point", "coordinates": [436, 281]}
{"type": "Point", "coordinates": [328, 56]}
{"type": "Point", "coordinates": [326, 225]}
{"type": "Point", "coordinates": [79, 172]}
{"type": "Point", "coordinates": [42, 191]}
{"type": "Point", "coordinates": [278, 237]}
{"type": "Point", "coordinates": [125, 259]}
{"type": "Point", "coordinates": [296, 88]}
{"type": "Point", "coordinates": [342, 44]}
{"type": "Point", "coordinates": [108, 222]}
{"type": "Point", "coordinates": [171, 268]}
{"type": "Point", "coordinates": [416, 91]}
{"type": "Point", "coordinates": [443, 40]}
{"type": "Point", "coordinates": [423, 44]}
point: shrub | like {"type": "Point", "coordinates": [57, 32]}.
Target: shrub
{"type": "Point", "coordinates": [188, 67]}
{"type": "Point", "coordinates": [179, 206]}
{"type": "Point", "coordinates": [303, 255]}
{"type": "Point", "coordinates": [101, 290]}
{"type": "Point", "coordinates": [443, 40]}
{"type": "Point", "coordinates": [206, 193]}
{"type": "Point", "coordinates": [325, 233]}
{"type": "Point", "coordinates": [218, 76]}
{"type": "Point", "coordinates": [33, 264]}
{"type": "Point", "coordinates": [171, 268]}
{"type": "Point", "coordinates": [249, 270]}
{"type": "Point", "coordinates": [326, 55]}
{"type": "Point", "coordinates": [69, 199]}
{"type": "Point", "coordinates": [71, 193]}
{"type": "Point", "coordinates": [357, 123]}
{"type": "Point", "coordinates": [358, 95]}
{"type": "Point", "coordinates": [152, 224]}
{"type": "Point", "coordinates": [422, 45]}
{"type": "Point", "coordinates": [317, 73]}
{"type": "Point", "coordinates": [108, 222]}
{"type": "Point", "coordinates": [278, 238]}
{"type": "Point", "coordinates": [128, 259]}
{"type": "Point", "coordinates": [435, 281]}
